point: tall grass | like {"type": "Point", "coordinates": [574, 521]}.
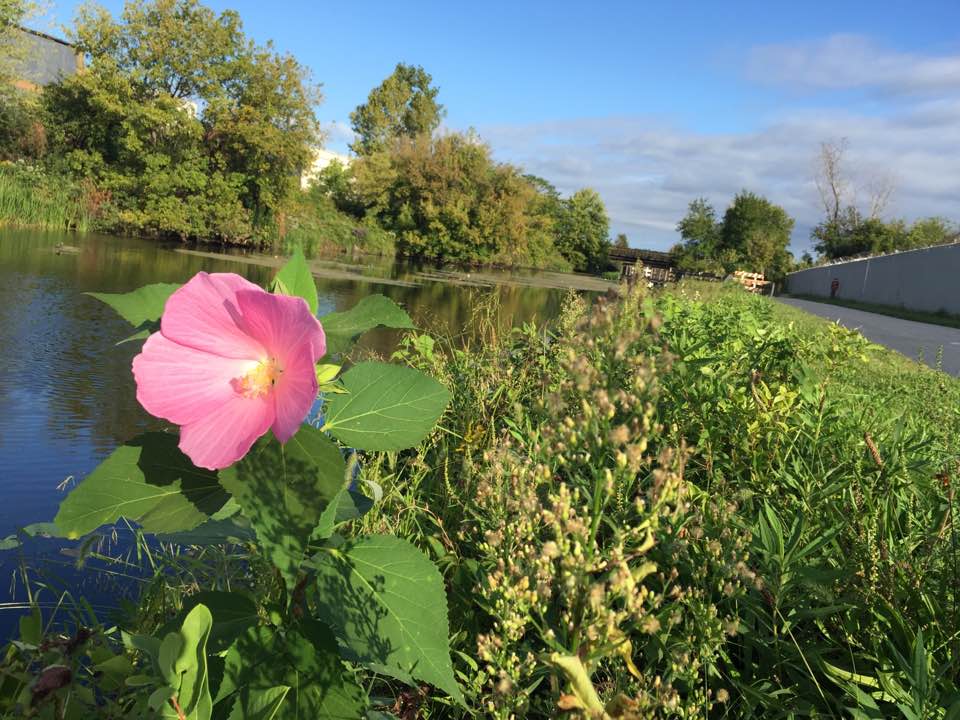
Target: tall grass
{"type": "Point", "coordinates": [32, 198]}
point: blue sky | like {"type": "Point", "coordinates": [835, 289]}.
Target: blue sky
{"type": "Point", "coordinates": [654, 104]}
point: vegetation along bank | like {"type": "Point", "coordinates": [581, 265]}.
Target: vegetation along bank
{"type": "Point", "coordinates": [698, 503]}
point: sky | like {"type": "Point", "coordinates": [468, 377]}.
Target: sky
{"type": "Point", "coordinates": [654, 104]}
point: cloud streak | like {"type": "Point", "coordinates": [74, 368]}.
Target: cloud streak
{"type": "Point", "coordinates": [847, 62]}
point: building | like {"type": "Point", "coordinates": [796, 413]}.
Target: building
{"type": "Point", "coordinates": [45, 60]}
{"type": "Point", "coordinates": [321, 158]}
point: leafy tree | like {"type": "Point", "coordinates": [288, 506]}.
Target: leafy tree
{"type": "Point", "coordinates": [445, 198]}
{"type": "Point", "coordinates": [582, 232]}
{"type": "Point", "coordinates": [621, 241]}
{"type": "Point", "coordinates": [404, 105]}
{"type": "Point", "coordinates": [932, 231]}
{"type": "Point", "coordinates": [757, 232]}
{"type": "Point", "coordinates": [186, 126]}
{"type": "Point", "coordinates": [700, 231]}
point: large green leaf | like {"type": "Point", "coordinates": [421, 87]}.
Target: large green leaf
{"type": "Point", "coordinates": [283, 491]}
{"type": "Point", "coordinates": [259, 703]}
{"type": "Point", "coordinates": [385, 601]}
{"type": "Point", "coordinates": [295, 278]}
{"type": "Point", "coordinates": [386, 407]}
{"type": "Point", "coordinates": [147, 480]}
{"type": "Point", "coordinates": [305, 659]}
{"type": "Point", "coordinates": [141, 308]}
{"type": "Point", "coordinates": [341, 328]}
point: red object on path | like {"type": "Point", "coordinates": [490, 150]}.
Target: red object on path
{"type": "Point", "coordinates": [834, 286]}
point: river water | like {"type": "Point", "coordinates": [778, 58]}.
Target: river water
{"type": "Point", "coordinates": [67, 397]}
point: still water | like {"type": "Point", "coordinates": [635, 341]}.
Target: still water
{"type": "Point", "coordinates": [67, 397]}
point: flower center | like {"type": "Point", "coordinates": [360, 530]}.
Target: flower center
{"type": "Point", "coordinates": [260, 380]}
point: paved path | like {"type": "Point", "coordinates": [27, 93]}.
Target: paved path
{"type": "Point", "coordinates": [905, 336]}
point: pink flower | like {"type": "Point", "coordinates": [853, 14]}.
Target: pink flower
{"type": "Point", "coordinates": [230, 362]}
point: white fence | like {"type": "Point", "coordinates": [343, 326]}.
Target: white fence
{"type": "Point", "coordinates": [926, 279]}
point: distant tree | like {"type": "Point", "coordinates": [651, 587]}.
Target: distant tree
{"type": "Point", "coordinates": [621, 241]}
{"type": "Point", "coordinates": [404, 105]}
{"type": "Point", "coordinates": [20, 135]}
{"type": "Point", "coordinates": [700, 230]}
{"type": "Point", "coordinates": [932, 231]}
{"type": "Point", "coordinates": [445, 198]}
{"type": "Point", "coordinates": [757, 233]}
{"type": "Point", "coordinates": [582, 232]}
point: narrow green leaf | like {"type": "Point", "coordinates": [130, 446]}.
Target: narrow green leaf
{"type": "Point", "coordinates": [283, 491]}
{"type": "Point", "coordinates": [386, 407]}
{"type": "Point", "coordinates": [342, 328]}
{"type": "Point", "coordinates": [295, 278]}
{"type": "Point", "coordinates": [183, 664]}
{"type": "Point", "coordinates": [147, 480]}
{"type": "Point", "coordinates": [141, 305]}
{"type": "Point", "coordinates": [386, 603]}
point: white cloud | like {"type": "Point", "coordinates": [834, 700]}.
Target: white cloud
{"type": "Point", "coordinates": [647, 172]}
{"type": "Point", "coordinates": [846, 61]}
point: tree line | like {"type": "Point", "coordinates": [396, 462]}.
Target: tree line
{"type": "Point", "coordinates": [181, 126]}
{"type": "Point", "coordinates": [753, 234]}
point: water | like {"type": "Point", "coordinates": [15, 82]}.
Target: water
{"type": "Point", "coordinates": [67, 397]}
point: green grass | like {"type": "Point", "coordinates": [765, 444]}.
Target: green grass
{"type": "Point", "coordinates": [938, 318]}
{"type": "Point", "coordinates": [31, 198]}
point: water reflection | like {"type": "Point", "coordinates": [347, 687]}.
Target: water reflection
{"type": "Point", "coordinates": [67, 397]}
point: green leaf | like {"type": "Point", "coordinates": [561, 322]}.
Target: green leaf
{"type": "Point", "coordinates": [386, 603]}
{"type": "Point", "coordinates": [347, 505]}
{"type": "Point", "coordinates": [140, 306]}
{"type": "Point", "coordinates": [283, 491]}
{"type": "Point", "coordinates": [41, 529]}
{"type": "Point", "coordinates": [303, 657]}
{"type": "Point", "coordinates": [295, 278]}
{"type": "Point", "coordinates": [342, 328]}
{"type": "Point", "coordinates": [147, 480]}
{"type": "Point", "coordinates": [183, 665]}
{"type": "Point", "coordinates": [259, 703]}
{"type": "Point", "coordinates": [386, 407]}
{"type": "Point", "coordinates": [31, 627]}
{"type": "Point", "coordinates": [232, 613]}
{"type": "Point", "coordinates": [212, 532]}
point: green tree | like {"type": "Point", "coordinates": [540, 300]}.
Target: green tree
{"type": "Point", "coordinates": [185, 125]}
{"type": "Point", "coordinates": [582, 232]}
{"type": "Point", "coordinates": [757, 232]}
{"type": "Point", "coordinates": [404, 105]}
{"type": "Point", "coordinates": [445, 198]}
{"type": "Point", "coordinates": [932, 231]}
{"type": "Point", "coordinates": [621, 241]}
{"type": "Point", "coordinates": [700, 232]}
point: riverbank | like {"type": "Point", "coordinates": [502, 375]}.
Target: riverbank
{"type": "Point", "coordinates": [697, 502]}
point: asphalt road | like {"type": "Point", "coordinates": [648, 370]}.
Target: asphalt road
{"type": "Point", "coordinates": [904, 336]}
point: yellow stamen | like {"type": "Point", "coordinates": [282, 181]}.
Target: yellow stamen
{"type": "Point", "coordinates": [260, 380]}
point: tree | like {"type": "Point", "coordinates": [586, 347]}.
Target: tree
{"type": "Point", "coordinates": [700, 232]}
{"type": "Point", "coordinates": [187, 126]}
{"type": "Point", "coordinates": [932, 231]}
{"type": "Point", "coordinates": [621, 241]}
{"type": "Point", "coordinates": [582, 232]}
{"type": "Point", "coordinates": [404, 105]}
{"type": "Point", "coordinates": [445, 198]}
{"type": "Point", "coordinates": [757, 233]}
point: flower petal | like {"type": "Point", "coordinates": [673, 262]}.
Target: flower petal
{"type": "Point", "coordinates": [204, 315]}
{"type": "Point", "coordinates": [181, 384]}
{"type": "Point", "coordinates": [281, 323]}
{"type": "Point", "coordinates": [295, 391]}
{"type": "Point", "coordinates": [225, 435]}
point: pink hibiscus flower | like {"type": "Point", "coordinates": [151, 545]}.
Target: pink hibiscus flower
{"type": "Point", "coordinates": [230, 362]}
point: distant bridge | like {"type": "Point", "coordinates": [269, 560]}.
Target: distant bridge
{"type": "Point", "coordinates": [658, 267]}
